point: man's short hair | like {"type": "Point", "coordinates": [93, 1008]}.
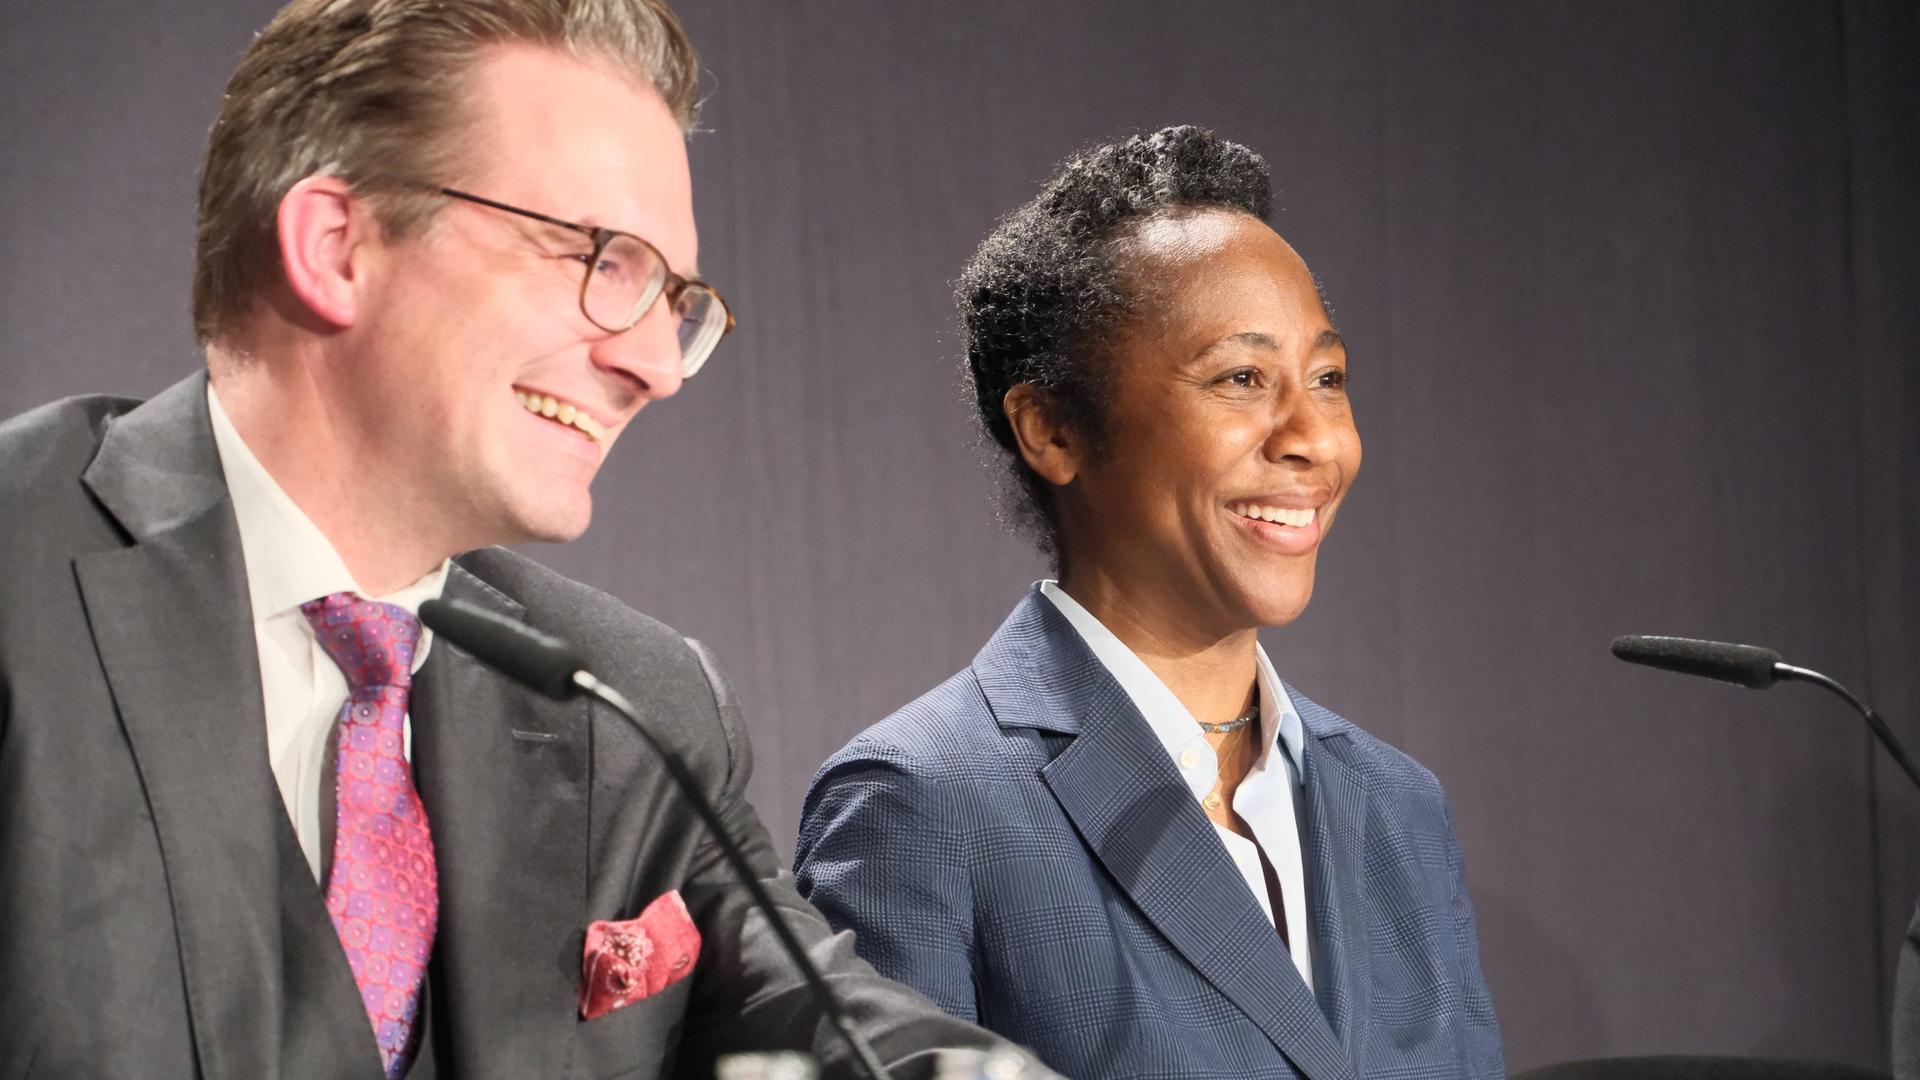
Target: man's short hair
{"type": "Point", "coordinates": [1045, 294]}
{"type": "Point", "coordinates": [376, 93]}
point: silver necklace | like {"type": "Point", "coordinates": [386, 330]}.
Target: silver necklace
{"type": "Point", "coordinates": [1232, 725]}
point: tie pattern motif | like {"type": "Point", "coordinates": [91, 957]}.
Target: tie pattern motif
{"type": "Point", "coordinates": [382, 892]}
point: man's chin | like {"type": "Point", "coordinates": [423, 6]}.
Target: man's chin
{"type": "Point", "coordinates": [552, 524]}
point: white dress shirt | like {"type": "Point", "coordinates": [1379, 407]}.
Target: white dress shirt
{"type": "Point", "coordinates": [1268, 799]}
{"type": "Point", "coordinates": [289, 562]}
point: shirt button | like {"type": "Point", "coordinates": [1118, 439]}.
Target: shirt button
{"type": "Point", "coordinates": [1189, 758]}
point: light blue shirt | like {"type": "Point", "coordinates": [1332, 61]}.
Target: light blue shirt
{"type": "Point", "coordinates": [1268, 799]}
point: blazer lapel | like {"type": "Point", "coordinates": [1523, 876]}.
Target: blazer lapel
{"type": "Point", "coordinates": [1336, 805]}
{"type": "Point", "coordinates": [1133, 811]}
{"type": "Point", "coordinates": [169, 621]}
{"type": "Point", "coordinates": [503, 774]}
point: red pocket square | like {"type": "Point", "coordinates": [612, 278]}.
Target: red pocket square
{"type": "Point", "coordinates": [631, 960]}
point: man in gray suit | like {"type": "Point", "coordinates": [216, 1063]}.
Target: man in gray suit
{"type": "Point", "coordinates": [253, 821]}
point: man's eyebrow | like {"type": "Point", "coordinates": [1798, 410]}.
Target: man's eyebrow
{"type": "Point", "coordinates": [590, 222]}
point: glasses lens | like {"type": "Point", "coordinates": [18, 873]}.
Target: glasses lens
{"type": "Point", "coordinates": [623, 283]}
{"type": "Point", "coordinates": [703, 322]}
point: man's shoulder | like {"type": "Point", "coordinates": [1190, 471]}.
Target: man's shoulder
{"type": "Point", "coordinates": [46, 513]}
{"type": "Point", "coordinates": [613, 636]}
{"type": "Point", "coordinates": [54, 443]}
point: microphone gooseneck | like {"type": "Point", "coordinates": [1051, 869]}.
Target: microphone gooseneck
{"type": "Point", "coordinates": [555, 668]}
{"type": "Point", "coordinates": [1750, 666]}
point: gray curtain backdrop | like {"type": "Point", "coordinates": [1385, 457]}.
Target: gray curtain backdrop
{"type": "Point", "coordinates": [1631, 291]}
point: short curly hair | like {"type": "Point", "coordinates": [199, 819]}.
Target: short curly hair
{"type": "Point", "coordinates": [1043, 296]}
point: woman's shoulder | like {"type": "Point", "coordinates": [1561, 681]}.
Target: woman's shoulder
{"type": "Point", "coordinates": [1378, 761]}
{"type": "Point", "coordinates": [948, 734]}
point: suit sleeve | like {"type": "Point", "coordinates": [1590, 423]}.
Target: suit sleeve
{"type": "Point", "coordinates": [1481, 1034]}
{"type": "Point", "coordinates": [881, 854]}
{"type": "Point", "coordinates": [1906, 1005]}
{"type": "Point", "coordinates": [747, 995]}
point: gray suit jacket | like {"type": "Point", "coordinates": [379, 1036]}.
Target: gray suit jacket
{"type": "Point", "coordinates": [1906, 1005]}
{"type": "Point", "coordinates": [154, 921]}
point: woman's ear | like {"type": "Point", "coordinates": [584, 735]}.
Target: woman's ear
{"type": "Point", "coordinates": [1049, 447]}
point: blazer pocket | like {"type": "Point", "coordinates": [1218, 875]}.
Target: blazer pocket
{"type": "Point", "coordinates": [639, 1039]}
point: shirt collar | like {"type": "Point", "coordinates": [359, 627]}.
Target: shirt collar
{"type": "Point", "coordinates": [1164, 712]}
{"type": "Point", "coordinates": [289, 560]}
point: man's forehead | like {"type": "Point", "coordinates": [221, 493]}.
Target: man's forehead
{"type": "Point", "coordinates": [582, 140]}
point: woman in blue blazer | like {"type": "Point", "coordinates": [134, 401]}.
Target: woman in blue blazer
{"type": "Point", "coordinates": [1117, 836]}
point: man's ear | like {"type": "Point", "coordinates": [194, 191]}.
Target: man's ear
{"type": "Point", "coordinates": [322, 226]}
{"type": "Point", "coordinates": [1049, 447]}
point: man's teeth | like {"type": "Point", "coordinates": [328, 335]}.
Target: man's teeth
{"type": "Point", "coordinates": [1279, 515]}
{"type": "Point", "coordinates": [561, 412]}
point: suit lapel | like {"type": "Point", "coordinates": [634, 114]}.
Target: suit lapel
{"type": "Point", "coordinates": [1336, 812]}
{"type": "Point", "coordinates": [168, 616]}
{"type": "Point", "coordinates": [1136, 816]}
{"type": "Point", "coordinates": [509, 818]}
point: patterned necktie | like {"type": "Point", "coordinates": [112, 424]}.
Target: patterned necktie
{"type": "Point", "coordinates": [382, 892]}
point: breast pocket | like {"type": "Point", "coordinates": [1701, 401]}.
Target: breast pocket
{"type": "Point", "coordinates": [638, 1040]}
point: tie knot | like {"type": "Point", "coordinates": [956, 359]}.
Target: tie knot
{"type": "Point", "coordinates": [371, 642]}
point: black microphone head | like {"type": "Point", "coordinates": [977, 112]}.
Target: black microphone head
{"type": "Point", "coordinates": [1746, 665]}
{"type": "Point", "coordinates": [527, 656]}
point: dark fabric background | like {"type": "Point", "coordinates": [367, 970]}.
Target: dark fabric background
{"type": "Point", "coordinates": [1631, 292]}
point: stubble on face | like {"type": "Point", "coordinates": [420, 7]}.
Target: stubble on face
{"type": "Point", "coordinates": [482, 313]}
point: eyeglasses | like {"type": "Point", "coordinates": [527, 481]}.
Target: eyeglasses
{"type": "Point", "coordinates": [625, 275]}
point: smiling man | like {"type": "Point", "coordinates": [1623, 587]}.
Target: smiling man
{"type": "Point", "coordinates": [1118, 836]}
{"type": "Point", "coordinates": [254, 822]}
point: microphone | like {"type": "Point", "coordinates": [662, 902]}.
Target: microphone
{"type": "Point", "coordinates": [1750, 666]}
{"type": "Point", "coordinates": [529, 657]}
{"type": "Point", "coordinates": [556, 669]}
{"type": "Point", "coordinates": [1747, 665]}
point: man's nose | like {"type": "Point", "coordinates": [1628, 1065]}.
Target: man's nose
{"type": "Point", "coordinates": [648, 353]}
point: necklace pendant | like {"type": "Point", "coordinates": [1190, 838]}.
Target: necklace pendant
{"type": "Point", "coordinates": [1212, 801]}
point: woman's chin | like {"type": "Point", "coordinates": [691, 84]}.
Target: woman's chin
{"type": "Point", "coordinates": [1278, 607]}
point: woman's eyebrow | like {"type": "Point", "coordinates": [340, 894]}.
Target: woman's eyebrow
{"type": "Point", "coordinates": [1255, 338]}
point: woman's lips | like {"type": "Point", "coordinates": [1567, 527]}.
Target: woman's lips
{"type": "Point", "coordinates": [1289, 530]}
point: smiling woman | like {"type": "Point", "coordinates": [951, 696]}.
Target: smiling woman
{"type": "Point", "coordinates": [1118, 836]}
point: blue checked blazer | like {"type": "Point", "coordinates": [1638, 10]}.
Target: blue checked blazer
{"type": "Point", "coordinates": [1018, 846]}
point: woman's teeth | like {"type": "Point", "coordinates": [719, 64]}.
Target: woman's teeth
{"type": "Point", "coordinates": [1279, 515]}
{"type": "Point", "coordinates": [561, 412]}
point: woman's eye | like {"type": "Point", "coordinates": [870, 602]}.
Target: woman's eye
{"type": "Point", "coordinates": [1246, 377]}
{"type": "Point", "coordinates": [1335, 379]}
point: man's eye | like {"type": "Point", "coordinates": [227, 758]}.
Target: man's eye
{"type": "Point", "coordinates": [611, 268]}
{"type": "Point", "coordinates": [1245, 377]}
{"type": "Point", "coordinates": [1335, 379]}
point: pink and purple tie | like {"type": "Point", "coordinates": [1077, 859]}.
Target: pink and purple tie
{"type": "Point", "coordinates": [382, 892]}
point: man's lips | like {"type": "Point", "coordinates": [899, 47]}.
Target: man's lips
{"type": "Point", "coordinates": [562, 412]}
